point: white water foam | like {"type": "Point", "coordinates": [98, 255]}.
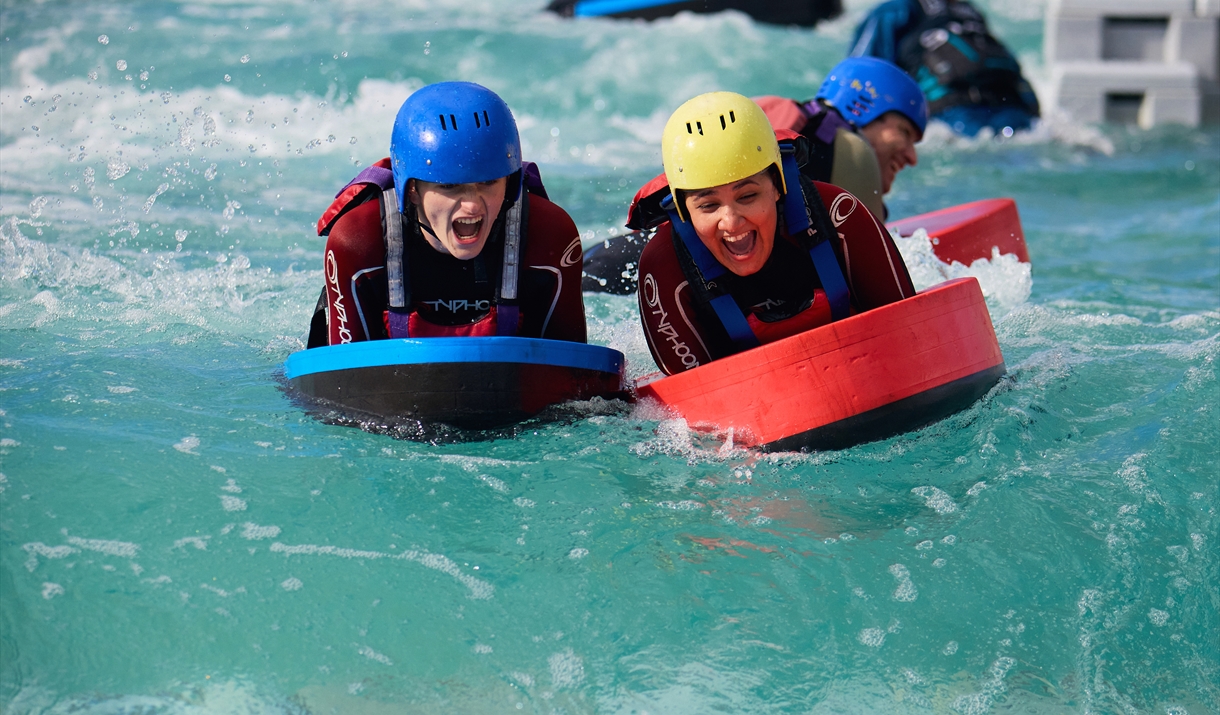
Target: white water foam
{"type": "Point", "coordinates": [479, 589]}
{"type": "Point", "coordinates": [936, 499]}
{"type": "Point", "coordinates": [1006, 281]}
{"type": "Point", "coordinates": [153, 291]}
{"type": "Point", "coordinates": [37, 548]}
{"type": "Point", "coordinates": [211, 697]}
{"type": "Point", "coordinates": [1055, 127]}
{"type": "Point", "coordinates": [567, 669]}
{"type": "Point", "coordinates": [255, 532]}
{"type": "Point", "coordinates": [109, 547]}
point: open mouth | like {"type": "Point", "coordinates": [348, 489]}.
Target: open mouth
{"type": "Point", "coordinates": [741, 245]}
{"type": "Point", "coordinates": [466, 230]}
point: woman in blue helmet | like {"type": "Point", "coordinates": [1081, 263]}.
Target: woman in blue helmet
{"type": "Point", "coordinates": [862, 127]}
{"type": "Point", "coordinates": [452, 235]}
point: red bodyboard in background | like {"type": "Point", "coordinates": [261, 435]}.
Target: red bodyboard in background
{"type": "Point", "coordinates": [968, 232]}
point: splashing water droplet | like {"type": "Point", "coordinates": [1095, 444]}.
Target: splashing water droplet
{"type": "Point", "coordinates": [103, 39]}
{"type": "Point", "coordinates": [180, 235]}
{"type": "Point", "coordinates": [245, 59]}
{"type": "Point", "coordinates": [153, 199]}
{"type": "Point", "coordinates": [27, 99]}
{"type": "Point", "coordinates": [121, 65]}
{"type": "Point", "coordinates": [228, 78]}
{"type": "Point", "coordinates": [116, 168]}
{"type": "Point", "coordinates": [249, 116]}
{"type": "Point", "coordinates": [353, 140]}
{"type": "Point", "coordinates": [93, 75]}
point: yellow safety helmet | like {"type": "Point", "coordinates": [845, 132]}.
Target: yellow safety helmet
{"type": "Point", "coordinates": [717, 138]}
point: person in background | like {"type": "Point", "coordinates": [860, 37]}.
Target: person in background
{"type": "Point", "coordinates": [970, 79]}
{"type": "Point", "coordinates": [862, 127]}
{"type": "Point", "coordinates": [747, 250]}
{"type": "Point", "coordinates": [452, 235]}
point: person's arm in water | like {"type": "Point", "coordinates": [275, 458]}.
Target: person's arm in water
{"type": "Point", "coordinates": [552, 305]}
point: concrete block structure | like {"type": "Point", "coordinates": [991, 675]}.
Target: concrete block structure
{"type": "Point", "coordinates": [1145, 62]}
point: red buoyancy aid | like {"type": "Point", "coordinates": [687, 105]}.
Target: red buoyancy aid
{"type": "Point", "coordinates": [816, 315]}
{"type": "Point", "coordinates": [347, 197]}
{"type": "Point", "coordinates": [420, 327]}
{"type": "Point", "coordinates": [782, 113]}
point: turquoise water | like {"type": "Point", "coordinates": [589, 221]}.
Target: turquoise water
{"type": "Point", "coordinates": [177, 537]}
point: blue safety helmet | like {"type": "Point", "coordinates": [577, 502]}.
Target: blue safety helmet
{"type": "Point", "coordinates": [865, 88]}
{"type": "Point", "coordinates": [453, 133]}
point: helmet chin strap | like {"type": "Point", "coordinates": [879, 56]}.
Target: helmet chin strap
{"type": "Point", "coordinates": [425, 227]}
{"type": "Point", "coordinates": [412, 196]}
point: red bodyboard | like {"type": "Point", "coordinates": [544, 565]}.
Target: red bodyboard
{"type": "Point", "coordinates": [939, 344]}
{"type": "Point", "coordinates": [968, 232]}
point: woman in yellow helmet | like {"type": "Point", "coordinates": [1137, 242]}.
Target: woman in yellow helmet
{"type": "Point", "coordinates": [747, 252]}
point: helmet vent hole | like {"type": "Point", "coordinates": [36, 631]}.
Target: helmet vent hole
{"type": "Point", "coordinates": [699, 126]}
{"type": "Point", "coordinates": [723, 125]}
{"type": "Point", "coordinates": [443, 127]}
{"type": "Point", "coordinates": [477, 125]}
{"type": "Point", "coordinates": [732, 118]}
{"type": "Point", "coordinates": [486, 121]}
{"type": "Point", "coordinates": [453, 121]}
{"type": "Point", "coordinates": [688, 129]}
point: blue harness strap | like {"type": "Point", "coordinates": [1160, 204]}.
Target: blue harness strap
{"type": "Point", "coordinates": [798, 221]}
{"type": "Point", "coordinates": [726, 309]}
{"type": "Point", "coordinates": [833, 283]}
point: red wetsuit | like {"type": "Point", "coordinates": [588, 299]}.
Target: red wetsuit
{"type": "Point", "coordinates": [782, 299]}
{"type": "Point", "coordinates": [451, 296]}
